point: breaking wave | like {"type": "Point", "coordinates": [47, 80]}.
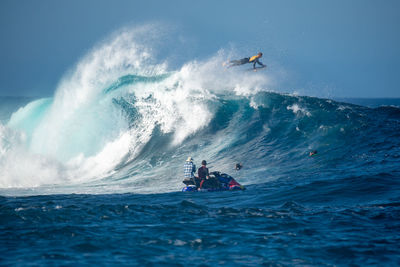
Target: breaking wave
{"type": "Point", "coordinates": [121, 121]}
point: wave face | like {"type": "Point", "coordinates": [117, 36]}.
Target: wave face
{"type": "Point", "coordinates": [122, 122]}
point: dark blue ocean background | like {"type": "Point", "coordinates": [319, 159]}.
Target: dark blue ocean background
{"type": "Point", "coordinates": [338, 208]}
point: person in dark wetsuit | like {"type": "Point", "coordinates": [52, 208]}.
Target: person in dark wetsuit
{"type": "Point", "coordinates": [253, 59]}
{"type": "Point", "coordinates": [238, 166]}
{"type": "Point", "coordinates": [203, 173]}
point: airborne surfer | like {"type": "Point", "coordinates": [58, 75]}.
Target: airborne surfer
{"type": "Point", "coordinates": [253, 59]}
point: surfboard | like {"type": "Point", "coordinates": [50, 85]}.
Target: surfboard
{"type": "Point", "coordinates": [257, 68]}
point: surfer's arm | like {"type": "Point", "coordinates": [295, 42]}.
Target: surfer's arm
{"type": "Point", "coordinates": [258, 62]}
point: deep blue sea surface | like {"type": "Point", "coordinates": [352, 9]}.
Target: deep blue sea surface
{"type": "Point", "coordinates": [93, 175]}
{"type": "Point", "coordinates": [276, 224]}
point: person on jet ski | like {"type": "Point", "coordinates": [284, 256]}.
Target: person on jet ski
{"type": "Point", "coordinates": [189, 170]}
{"type": "Point", "coordinates": [203, 173]}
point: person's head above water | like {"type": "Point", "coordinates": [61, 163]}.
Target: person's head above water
{"type": "Point", "coordinates": [312, 153]}
{"type": "Point", "coordinates": [259, 54]}
{"type": "Point", "coordinates": [204, 163]}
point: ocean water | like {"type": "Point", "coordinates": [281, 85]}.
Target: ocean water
{"type": "Point", "coordinates": [93, 174]}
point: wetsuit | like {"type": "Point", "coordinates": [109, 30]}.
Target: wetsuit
{"type": "Point", "coordinates": [203, 174]}
{"type": "Point", "coordinates": [254, 60]}
{"type": "Point", "coordinates": [239, 61]}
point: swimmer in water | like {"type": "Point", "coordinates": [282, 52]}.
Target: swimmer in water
{"type": "Point", "coordinates": [238, 166]}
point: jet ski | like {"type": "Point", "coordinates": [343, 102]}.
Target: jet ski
{"type": "Point", "coordinates": [217, 182]}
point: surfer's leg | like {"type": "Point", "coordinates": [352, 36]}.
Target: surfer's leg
{"type": "Point", "coordinates": [245, 60]}
{"type": "Point", "coordinates": [239, 62]}
{"type": "Point", "coordinates": [235, 63]}
{"type": "Point", "coordinates": [201, 183]}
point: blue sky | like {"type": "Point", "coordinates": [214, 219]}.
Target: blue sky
{"type": "Point", "coordinates": [338, 48]}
